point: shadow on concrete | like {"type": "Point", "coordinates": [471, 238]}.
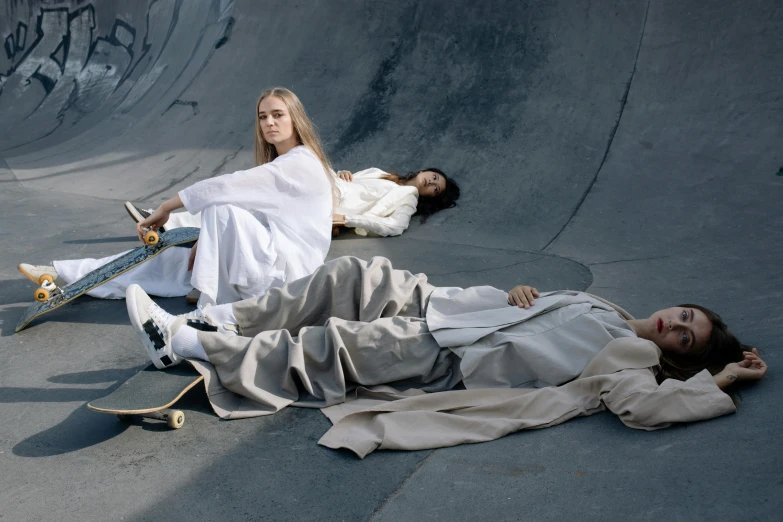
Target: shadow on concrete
{"type": "Point", "coordinates": [93, 376]}
{"type": "Point", "coordinates": [78, 431]}
{"type": "Point", "coordinates": [16, 291]}
{"type": "Point", "coordinates": [84, 428]}
{"type": "Point", "coordinates": [86, 310]}
{"type": "Point", "coordinates": [123, 239]}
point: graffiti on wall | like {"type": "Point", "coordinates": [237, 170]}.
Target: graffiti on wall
{"type": "Point", "coordinates": [63, 69]}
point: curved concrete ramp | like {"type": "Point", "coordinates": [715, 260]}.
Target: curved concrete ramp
{"type": "Point", "coordinates": [627, 147]}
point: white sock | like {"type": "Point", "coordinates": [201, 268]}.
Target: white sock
{"type": "Point", "coordinates": [186, 343]}
{"type": "Point", "coordinates": [221, 314]}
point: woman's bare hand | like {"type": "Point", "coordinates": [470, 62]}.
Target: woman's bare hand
{"type": "Point", "coordinates": [522, 296]}
{"type": "Point", "coordinates": [192, 259]}
{"type": "Point", "coordinates": [155, 220]}
{"type": "Point", "coordinates": [345, 174]}
{"type": "Point", "coordinates": [752, 368]}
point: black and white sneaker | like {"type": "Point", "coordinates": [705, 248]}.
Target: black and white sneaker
{"type": "Point", "coordinates": [139, 214]}
{"type": "Point", "coordinates": [154, 326]}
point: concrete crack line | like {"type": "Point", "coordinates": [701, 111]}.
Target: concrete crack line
{"type": "Point", "coordinates": [531, 252]}
{"type": "Point", "coordinates": [14, 178]}
{"type": "Point", "coordinates": [623, 102]}
{"type": "Point", "coordinates": [631, 260]}
{"type": "Point", "coordinates": [399, 488]}
{"type": "Point", "coordinates": [486, 269]}
{"type": "Point", "coordinates": [217, 170]}
{"type": "Point", "coordinates": [482, 247]}
{"type": "Point", "coordinates": [173, 183]}
{"type": "Point", "coordinates": [226, 159]}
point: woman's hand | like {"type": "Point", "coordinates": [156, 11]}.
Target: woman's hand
{"type": "Point", "coordinates": [159, 218]}
{"type": "Point", "coordinates": [752, 368]}
{"type": "Point", "coordinates": [522, 296]}
{"type": "Point", "coordinates": [345, 174]}
{"type": "Point", "coordinates": [192, 259]}
{"type": "Point", "coordinates": [155, 220]}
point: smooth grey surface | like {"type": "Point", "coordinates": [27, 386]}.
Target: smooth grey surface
{"type": "Point", "coordinates": [625, 147]}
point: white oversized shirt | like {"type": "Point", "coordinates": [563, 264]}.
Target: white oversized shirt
{"type": "Point", "coordinates": [291, 201]}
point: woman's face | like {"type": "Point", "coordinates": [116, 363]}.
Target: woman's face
{"type": "Point", "coordinates": [681, 331]}
{"type": "Point", "coordinates": [276, 124]}
{"type": "Point", "coordinates": [429, 183]}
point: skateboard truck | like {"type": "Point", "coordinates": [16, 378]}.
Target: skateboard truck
{"type": "Point", "coordinates": [47, 288]}
{"type": "Point", "coordinates": [173, 418]}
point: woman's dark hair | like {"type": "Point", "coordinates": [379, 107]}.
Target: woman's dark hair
{"type": "Point", "coordinates": [721, 349]}
{"type": "Point", "coordinates": [429, 206]}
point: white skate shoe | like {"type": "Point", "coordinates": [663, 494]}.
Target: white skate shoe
{"type": "Point", "coordinates": [35, 272]}
{"type": "Point", "coordinates": [154, 326]}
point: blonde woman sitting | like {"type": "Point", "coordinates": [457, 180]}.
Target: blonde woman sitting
{"type": "Point", "coordinates": [259, 227]}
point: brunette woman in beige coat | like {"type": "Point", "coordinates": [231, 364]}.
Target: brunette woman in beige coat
{"type": "Point", "coordinates": [355, 335]}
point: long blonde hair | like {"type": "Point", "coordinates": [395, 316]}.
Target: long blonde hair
{"type": "Point", "coordinates": [304, 130]}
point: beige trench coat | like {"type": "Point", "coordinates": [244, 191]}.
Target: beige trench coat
{"type": "Point", "coordinates": [621, 378]}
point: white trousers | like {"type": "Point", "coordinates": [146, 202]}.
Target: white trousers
{"type": "Point", "coordinates": [236, 260]}
{"type": "Point", "coordinates": [165, 275]}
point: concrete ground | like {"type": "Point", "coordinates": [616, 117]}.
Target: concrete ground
{"type": "Point", "coordinates": [631, 148]}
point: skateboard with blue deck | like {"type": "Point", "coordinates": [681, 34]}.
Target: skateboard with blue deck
{"type": "Point", "coordinates": [50, 296]}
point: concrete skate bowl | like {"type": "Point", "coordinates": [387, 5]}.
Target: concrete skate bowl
{"type": "Point", "coordinates": [626, 147]}
{"type": "Point", "coordinates": [530, 105]}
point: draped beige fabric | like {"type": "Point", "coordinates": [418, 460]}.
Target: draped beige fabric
{"type": "Point", "coordinates": [621, 379]}
{"type": "Point", "coordinates": [313, 340]}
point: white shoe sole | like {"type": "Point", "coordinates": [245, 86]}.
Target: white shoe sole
{"type": "Point", "coordinates": [31, 277]}
{"type": "Point", "coordinates": [132, 212]}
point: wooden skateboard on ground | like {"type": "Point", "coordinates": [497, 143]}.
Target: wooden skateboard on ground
{"type": "Point", "coordinates": [150, 394]}
{"type": "Point", "coordinates": [51, 297]}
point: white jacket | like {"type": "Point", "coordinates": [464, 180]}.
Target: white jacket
{"type": "Point", "coordinates": [376, 205]}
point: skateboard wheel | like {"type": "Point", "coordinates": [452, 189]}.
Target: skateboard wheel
{"type": "Point", "coordinates": [175, 419]}
{"type": "Point", "coordinates": [151, 237]}
{"type": "Point", "coordinates": [41, 295]}
{"type": "Point", "coordinates": [335, 231]}
{"type": "Point", "coordinates": [125, 418]}
{"type": "Point", "coordinates": [45, 277]}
